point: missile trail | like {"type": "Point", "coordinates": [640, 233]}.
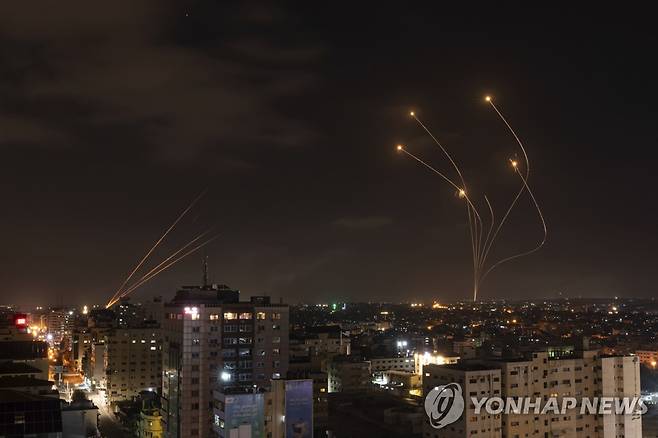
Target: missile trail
{"type": "Point", "coordinates": [162, 269]}
{"type": "Point", "coordinates": [543, 222]}
{"type": "Point", "coordinates": [174, 254]}
{"type": "Point", "coordinates": [157, 243]}
{"type": "Point", "coordinates": [476, 235]}
{"type": "Point", "coordinates": [481, 244]}
{"type": "Point", "coordinates": [461, 191]}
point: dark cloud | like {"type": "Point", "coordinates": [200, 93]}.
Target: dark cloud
{"type": "Point", "coordinates": [118, 68]}
{"type": "Point", "coordinates": [363, 223]}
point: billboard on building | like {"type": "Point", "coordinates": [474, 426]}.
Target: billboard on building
{"type": "Point", "coordinates": [299, 409]}
{"type": "Point", "coordinates": [242, 410]}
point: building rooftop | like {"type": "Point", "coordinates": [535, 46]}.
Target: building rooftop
{"type": "Point", "coordinates": [11, 396]}
{"type": "Point", "coordinates": [17, 368]}
{"type": "Point", "coordinates": [209, 294]}
{"type": "Point", "coordinates": [467, 366]}
{"type": "Point", "coordinates": [20, 350]}
{"type": "Point", "coordinates": [217, 295]}
{"type": "Point", "coordinates": [23, 381]}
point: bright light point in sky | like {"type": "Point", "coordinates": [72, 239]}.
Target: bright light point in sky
{"type": "Point", "coordinates": [488, 98]}
{"type": "Point", "coordinates": [412, 113]}
{"type": "Point", "coordinates": [399, 147]}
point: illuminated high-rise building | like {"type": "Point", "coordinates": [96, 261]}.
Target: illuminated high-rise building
{"type": "Point", "coordinates": [133, 359]}
{"type": "Point", "coordinates": [212, 340]}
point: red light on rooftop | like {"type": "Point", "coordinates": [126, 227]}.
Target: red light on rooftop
{"type": "Point", "coordinates": [20, 320]}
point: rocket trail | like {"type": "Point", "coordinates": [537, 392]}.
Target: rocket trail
{"type": "Point", "coordinates": [489, 99]}
{"type": "Point", "coordinates": [481, 245]}
{"type": "Point", "coordinates": [476, 234]}
{"type": "Point", "coordinates": [162, 269]}
{"type": "Point", "coordinates": [157, 243]}
{"type": "Point", "coordinates": [543, 222]}
{"type": "Point", "coordinates": [518, 140]}
{"type": "Point", "coordinates": [174, 254]}
{"type": "Point", "coordinates": [473, 219]}
{"type": "Point", "coordinates": [448, 180]}
{"type": "Point", "coordinates": [525, 186]}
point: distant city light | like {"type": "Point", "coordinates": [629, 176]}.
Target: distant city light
{"type": "Point", "coordinates": [49, 336]}
{"type": "Point", "coordinates": [225, 376]}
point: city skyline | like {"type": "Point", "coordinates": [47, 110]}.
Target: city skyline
{"type": "Point", "coordinates": [113, 119]}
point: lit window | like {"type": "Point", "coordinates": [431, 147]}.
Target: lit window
{"type": "Point", "coordinates": [245, 315]}
{"type": "Point", "coordinates": [230, 315]}
{"type": "Point", "coordinates": [261, 315]}
{"type": "Point", "coordinates": [193, 311]}
{"type": "Point", "coordinates": [214, 317]}
{"type": "Point", "coordinates": [276, 315]}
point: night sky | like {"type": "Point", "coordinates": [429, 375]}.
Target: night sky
{"type": "Point", "coordinates": [114, 115]}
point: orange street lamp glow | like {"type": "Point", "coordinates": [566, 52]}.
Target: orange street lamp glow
{"type": "Point", "coordinates": [488, 98]}
{"type": "Point", "coordinates": [412, 114]}
{"type": "Point", "coordinates": [399, 147]}
{"type": "Point", "coordinates": [514, 163]}
{"type": "Point", "coordinates": [462, 193]}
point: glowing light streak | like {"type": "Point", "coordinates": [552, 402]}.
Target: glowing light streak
{"type": "Point", "coordinates": [157, 243]}
{"type": "Point", "coordinates": [162, 269]}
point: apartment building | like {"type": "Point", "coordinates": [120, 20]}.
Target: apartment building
{"type": "Point", "coordinates": [348, 374]}
{"type": "Point", "coordinates": [392, 363]}
{"type": "Point", "coordinates": [476, 380]}
{"type": "Point", "coordinates": [619, 376]}
{"type": "Point", "coordinates": [133, 361]}
{"type": "Point", "coordinates": [283, 409]}
{"type": "Point", "coordinates": [214, 340]}
{"type": "Point", "coordinates": [576, 374]}
{"type": "Point", "coordinates": [554, 373]}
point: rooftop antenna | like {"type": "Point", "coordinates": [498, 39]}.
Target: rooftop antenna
{"type": "Point", "coordinates": [205, 270]}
